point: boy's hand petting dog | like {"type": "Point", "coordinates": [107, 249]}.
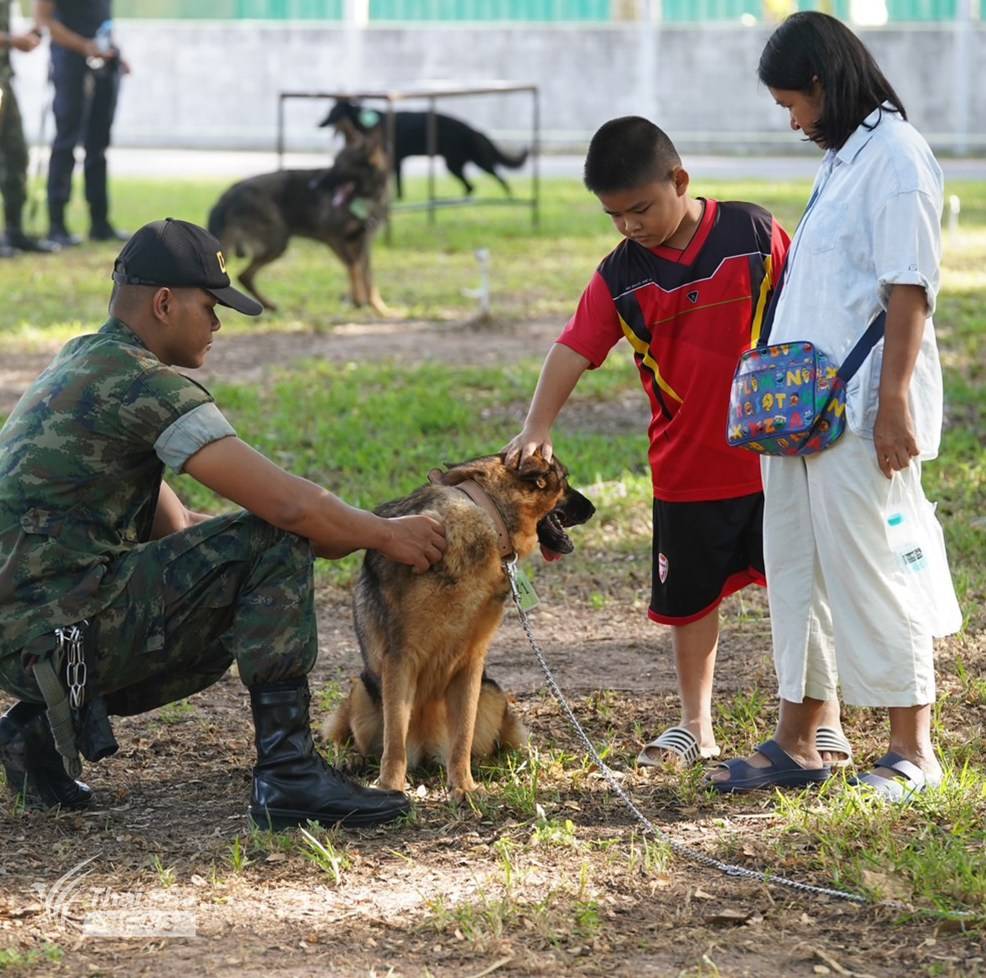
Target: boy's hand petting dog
{"type": "Point", "coordinates": [526, 445]}
{"type": "Point", "coordinates": [418, 540]}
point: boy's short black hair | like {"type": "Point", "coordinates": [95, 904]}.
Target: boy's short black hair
{"type": "Point", "coordinates": [627, 153]}
{"type": "Point", "coordinates": [810, 45]}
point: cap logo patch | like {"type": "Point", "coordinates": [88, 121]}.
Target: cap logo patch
{"type": "Point", "coordinates": [222, 262]}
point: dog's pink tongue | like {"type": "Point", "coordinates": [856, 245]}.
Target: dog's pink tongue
{"type": "Point", "coordinates": [549, 555]}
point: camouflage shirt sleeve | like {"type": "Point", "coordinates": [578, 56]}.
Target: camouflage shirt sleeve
{"type": "Point", "coordinates": [192, 431]}
{"type": "Point", "coordinates": [155, 401]}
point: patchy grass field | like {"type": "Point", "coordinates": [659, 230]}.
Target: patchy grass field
{"type": "Point", "coordinates": [547, 873]}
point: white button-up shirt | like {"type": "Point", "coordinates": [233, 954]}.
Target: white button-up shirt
{"type": "Point", "coordinates": [874, 222]}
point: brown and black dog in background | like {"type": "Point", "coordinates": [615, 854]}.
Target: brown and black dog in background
{"type": "Point", "coordinates": [342, 206]}
{"type": "Point", "coordinates": [424, 693]}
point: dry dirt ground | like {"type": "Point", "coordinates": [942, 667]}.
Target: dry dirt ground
{"type": "Point", "coordinates": [455, 892]}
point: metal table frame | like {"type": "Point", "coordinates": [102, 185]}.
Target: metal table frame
{"type": "Point", "coordinates": [430, 93]}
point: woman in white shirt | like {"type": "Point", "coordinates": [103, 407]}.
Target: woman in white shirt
{"type": "Point", "coordinates": [844, 610]}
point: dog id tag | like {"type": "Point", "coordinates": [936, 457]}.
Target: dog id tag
{"type": "Point", "coordinates": [526, 594]}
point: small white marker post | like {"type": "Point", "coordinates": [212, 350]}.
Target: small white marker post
{"type": "Point", "coordinates": [954, 207]}
{"type": "Point", "coordinates": [483, 292]}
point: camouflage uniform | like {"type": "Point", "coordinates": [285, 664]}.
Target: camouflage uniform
{"type": "Point", "coordinates": [80, 473]}
{"type": "Point", "coordinates": [13, 147]}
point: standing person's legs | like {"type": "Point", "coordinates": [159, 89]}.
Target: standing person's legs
{"type": "Point", "coordinates": [68, 72]}
{"type": "Point", "coordinates": [800, 621]}
{"type": "Point", "coordinates": [695, 646]}
{"type": "Point", "coordinates": [13, 159]}
{"type": "Point", "coordinates": [883, 639]}
{"type": "Point", "coordinates": [99, 125]}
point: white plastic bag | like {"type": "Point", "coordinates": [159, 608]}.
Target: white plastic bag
{"type": "Point", "coordinates": [936, 596]}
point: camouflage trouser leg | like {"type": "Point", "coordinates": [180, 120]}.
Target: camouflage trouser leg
{"type": "Point", "coordinates": [13, 157]}
{"type": "Point", "coordinates": [233, 589]}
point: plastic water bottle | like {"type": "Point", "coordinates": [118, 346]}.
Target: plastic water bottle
{"type": "Point", "coordinates": [904, 535]}
{"type": "Point", "coordinates": [104, 37]}
{"type": "Point", "coordinates": [904, 544]}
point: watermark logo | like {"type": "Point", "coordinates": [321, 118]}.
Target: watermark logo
{"type": "Point", "coordinates": [100, 911]}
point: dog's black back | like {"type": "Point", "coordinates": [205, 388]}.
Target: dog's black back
{"type": "Point", "coordinates": [456, 142]}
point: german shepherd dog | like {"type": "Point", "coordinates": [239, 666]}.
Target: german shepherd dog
{"type": "Point", "coordinates": [455, 141]}
{"type": "Point", "coordinates": [424, 693]}
{"type": "Point", "coordinates": [342, 206]}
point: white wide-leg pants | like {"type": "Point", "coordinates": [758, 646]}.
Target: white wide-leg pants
{"type": "Point", "coordinates": [842, 610]}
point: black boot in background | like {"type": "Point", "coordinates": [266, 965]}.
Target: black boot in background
{"type": "Point", "coordinates": [33, 765]}
{"type": "Point", "coordinates": [292, 783]}
{"type": "Point", "coordinates": [20, 241]}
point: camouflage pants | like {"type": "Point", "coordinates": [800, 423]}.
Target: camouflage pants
{"type": "Point", "coordinates": [233, 589]}
{"type": "Point", "coordinates": [13, 157]}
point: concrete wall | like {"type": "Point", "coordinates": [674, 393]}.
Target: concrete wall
{"type": "Point", "coordinates": [215, 84]}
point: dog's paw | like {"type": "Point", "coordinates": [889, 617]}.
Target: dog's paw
{"type": "Point", "coordinates": [461, 793]}
{"type": "Point", "coordinates": [392, 784]}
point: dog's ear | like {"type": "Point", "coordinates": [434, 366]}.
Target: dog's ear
{"type": "Point", "coordinates": [459, 472]}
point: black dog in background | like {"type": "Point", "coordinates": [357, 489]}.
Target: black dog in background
{"type": "Point", "coordinates": [457, 142]}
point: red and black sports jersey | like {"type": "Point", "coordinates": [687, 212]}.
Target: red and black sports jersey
{"type": "Point", "coordinates": [688, 316]}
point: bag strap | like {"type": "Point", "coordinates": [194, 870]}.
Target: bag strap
{"type": "Point", "coordinates": [768, 316]}
{"type": "Point", "coordinates": [869, 339]}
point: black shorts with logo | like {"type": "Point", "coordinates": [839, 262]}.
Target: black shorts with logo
{"type": "Point", "coordinates": [704, 551]}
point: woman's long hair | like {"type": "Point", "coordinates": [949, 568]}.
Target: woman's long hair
{"type": "Point", "coordinates": [811, 45]}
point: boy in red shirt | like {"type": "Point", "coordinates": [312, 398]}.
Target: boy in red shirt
{"type": "Point", "coordinates": [688, 288]}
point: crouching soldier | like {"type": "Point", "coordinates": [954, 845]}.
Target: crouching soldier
{"type": "Point", "coordinates": [115, 599]}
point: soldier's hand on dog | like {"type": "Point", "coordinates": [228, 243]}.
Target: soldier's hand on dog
{"type": "Point", "coordinates": [417, 540]}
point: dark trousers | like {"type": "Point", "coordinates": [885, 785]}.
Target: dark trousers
{"type": "Point", "coordinates": [84, 106]}
{"type": "Point", "coordinates": [13, 158]}
{"type": "Point", "coordinates": [232, 589]}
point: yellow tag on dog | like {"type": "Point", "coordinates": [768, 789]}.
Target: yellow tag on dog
{"type": "Point", "coordinates": [526, 594]}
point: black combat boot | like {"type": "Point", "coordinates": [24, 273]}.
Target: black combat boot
{"type": "Point", "coordinates": [32, 764]}
{"type": "Point", "coordinates": [20, 241]}
{"type": "Point", "coordinates": [104, 231]}
{"type": "Point", "coordinates": [292, 783]}
{"type": "Point", "coordinates": [58, 233]}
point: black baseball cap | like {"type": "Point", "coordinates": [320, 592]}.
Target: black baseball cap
{"type": "Point", "coordinates": [181, 255]}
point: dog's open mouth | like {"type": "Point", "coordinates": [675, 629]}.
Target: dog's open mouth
{"type": "Point", "coordinates": [555, 542]}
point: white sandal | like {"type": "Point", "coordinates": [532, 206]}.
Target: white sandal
{"type": "Point", "coordinates": [835, 742]}
{"type": "Point", "coordinates": [677, 740]}
{"type": "Point", "coordinates": [896, 790]}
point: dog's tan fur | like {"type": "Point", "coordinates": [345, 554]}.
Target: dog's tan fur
{"type": "Point", "coordinates": [424, 637]}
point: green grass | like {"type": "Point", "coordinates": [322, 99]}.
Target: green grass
{"type": "Point", "coordinates": [927, 854]}
{"type": "Point", "coordinates": [16, 961]}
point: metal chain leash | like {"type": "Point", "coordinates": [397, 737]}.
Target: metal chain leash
{"type": "Point", "coordinates": [680, 848]}
{"type": "Point", "coordinates": [70, 642]}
